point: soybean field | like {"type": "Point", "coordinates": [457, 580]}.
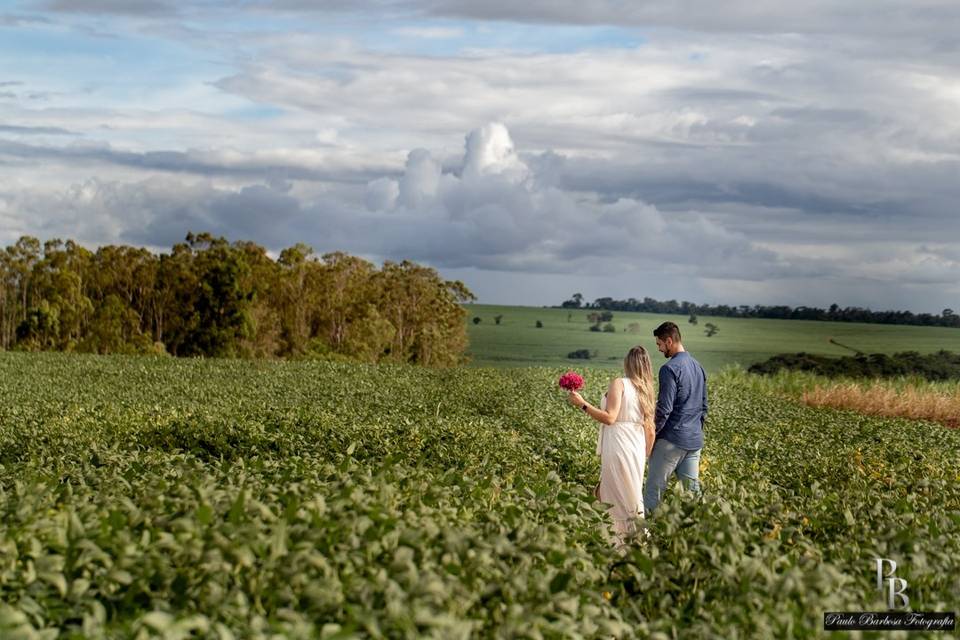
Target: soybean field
{"type": "Point", "coordinates": [170, 498]}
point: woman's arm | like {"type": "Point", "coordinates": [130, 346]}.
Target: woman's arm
{"type": "Point", "coordinates": [614, 392]}
{"type": "Point", "coordinates": [650, 435]}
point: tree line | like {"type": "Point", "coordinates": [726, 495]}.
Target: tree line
{"type": "Point", "coordinates": [210, 297]}
{"type": "Point", "coordinates": [833, 314]}
{"type": "Point", "coordinates": [943, 365]}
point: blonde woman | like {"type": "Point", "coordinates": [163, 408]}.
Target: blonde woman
{"type": "Point", "coordinates": [626, 417]}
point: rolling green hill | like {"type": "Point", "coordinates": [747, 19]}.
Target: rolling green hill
{"type": "Point", "coordinates": [517, 341]}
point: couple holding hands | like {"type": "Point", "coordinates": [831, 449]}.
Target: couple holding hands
{"type": "Point", "coordinates": [665, 434]}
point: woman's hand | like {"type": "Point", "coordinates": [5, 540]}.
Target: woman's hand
{"type": "Point", "coordinates": [575, 399]}
{"type": "Point", "coordinates": [650, 437]}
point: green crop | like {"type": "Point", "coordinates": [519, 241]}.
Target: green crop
{"type": "Point", "coordinates": [150, 497]}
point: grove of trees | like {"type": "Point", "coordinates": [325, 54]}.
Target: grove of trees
{"type": "Point", "coordinates": [209, 297]}
{"type": "Point", "coordinates": [940, 366]}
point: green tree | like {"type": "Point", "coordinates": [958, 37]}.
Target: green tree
{"type": "Point", "coordinates": [294, 299]}
{"type": "Point", "coordinates": [575, 301]}
{"type": "Point", "coordinates": [173, 312]}
{"type": "Point", "coordinates": [19, 262]}
{"type": "Point", "coordinates": [40, 329]}
{"type": "Point", "coordinates": [345, 286]}
{"type": "Point", "coordinates": [369, 337]}
{"type": "Point", "coordinates": [223, 297]}
{"type": "Point", "coordinates": [58, 279]}
{"type": "Point", "coordinates": [426, 312]}
{"type": "Point", "coordinates": [115, 328]}
{"type": "Point", "coordinates": [264, 279]}
{"type": "Point", "coordinates": [7, 303]}
{"type": "Point", "coordinates": [131, 275]}
{"type": "Point", "coordinates": [207, 296]}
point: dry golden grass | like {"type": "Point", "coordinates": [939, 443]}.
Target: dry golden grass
{"type": "Point", "coordinates": [931, 403]}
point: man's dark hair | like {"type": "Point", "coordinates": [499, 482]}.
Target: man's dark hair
{"type": "Point", "coordinates": [667, 330]}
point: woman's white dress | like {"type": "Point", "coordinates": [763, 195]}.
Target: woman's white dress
{"type": "Point", "coordinates": [623, 452]}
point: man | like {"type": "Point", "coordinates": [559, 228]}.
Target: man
{"type": "Point", "coordinates": [680, 415]}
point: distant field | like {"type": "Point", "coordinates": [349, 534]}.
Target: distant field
{"type": "Point", "coordinates": [517, 341]}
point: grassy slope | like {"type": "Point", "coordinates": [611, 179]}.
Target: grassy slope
{"type": "Point", "coordinates": [516, 341]}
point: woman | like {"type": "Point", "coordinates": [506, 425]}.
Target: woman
{"type": "Point", "coordinates": [626, 439]}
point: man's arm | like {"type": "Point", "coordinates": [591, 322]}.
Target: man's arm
{"type": "Point", "coordinates": [668, 393]}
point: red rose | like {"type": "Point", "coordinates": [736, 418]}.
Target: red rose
{"type": "Point", "coordinates": [571, 381]}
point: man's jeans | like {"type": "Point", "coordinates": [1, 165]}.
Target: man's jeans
{"type": "Point", "coordinates": [666, 459]}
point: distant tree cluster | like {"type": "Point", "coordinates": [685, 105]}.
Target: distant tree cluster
{"type": "Point", "coordinates": [597, 320]}
{"type": "Point", "coordinates": [209, 297]}
{"type": "Point", "coordinates": [943, 365]}
{"type": "Point", "coordinates": [834, 314]}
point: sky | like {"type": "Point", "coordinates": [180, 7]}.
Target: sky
{"type": "Point", "coordinates": [732, 153]}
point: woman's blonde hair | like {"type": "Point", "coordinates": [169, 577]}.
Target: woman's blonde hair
{"type": "Point", "coordinates": [639, 369]}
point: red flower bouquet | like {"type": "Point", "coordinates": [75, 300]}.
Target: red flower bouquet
{"type": "Point", "coordinates": [571, 381]}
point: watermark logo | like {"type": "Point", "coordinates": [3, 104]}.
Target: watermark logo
{"type": "Point", "coordinates": [891, 585]}
{"type": "Point", "coordinates": [898, 617]}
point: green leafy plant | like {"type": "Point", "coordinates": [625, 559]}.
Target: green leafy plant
{"type": "Point", "coordinates": [162, 497]}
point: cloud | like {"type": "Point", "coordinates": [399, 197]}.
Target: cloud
{"type": "Point", "coordinates": [887, 17]}
{"type": "Point", "coordinates": [382, 194]}
{"type": "Point", "coordinates": [789, 152]}
{"type": "Point", "coordinates": [930, 19]}
{"type": "Point", "coordinates": [159, 211]}
{"type": "Point", "coordinates": [490, 152]}
{"type": "Point", "coordinates": [430, 33]}
{"type": "Point", "coordinates": [275, 164]}
{"type": "Point", "coordinates": [116, 7]}
{"type": "Point", "coordinates": [420, 180]}
{"type": "Point", "coordinates": [58, 131]}
{"type": "Point", "coordinates": [495, 213]}
{"type": "Point", "coordinates": [12, 20]}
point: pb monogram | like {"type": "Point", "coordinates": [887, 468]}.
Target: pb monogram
{"type": "Point", "coordinates": [892, 585]}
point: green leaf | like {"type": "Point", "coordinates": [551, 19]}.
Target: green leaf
{"type": "Point", "coordinates": [204, 514]}
{"type": "Point", "coordinates": [560, 582]}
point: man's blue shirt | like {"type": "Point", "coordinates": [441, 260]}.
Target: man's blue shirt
{"type": "Point", "coordinates": [682, 403]}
